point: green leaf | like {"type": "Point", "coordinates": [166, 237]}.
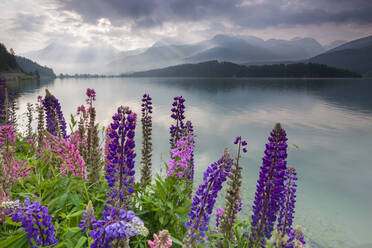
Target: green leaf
{"type": "Point", "coordinates": [81, 242]}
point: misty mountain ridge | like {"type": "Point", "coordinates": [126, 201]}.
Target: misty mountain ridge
{"type": "Point", "coordinates": [355, 55]}
{"type": "Point", "coordinates": [169, 52]}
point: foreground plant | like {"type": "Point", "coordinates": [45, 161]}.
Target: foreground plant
{"type": "Point", "coordinates": [178, 110]}
{"type": "Point", "coordinates": [55, 121]}
{"type": "Point", "coordinates": [161, 240]}
{"type": "Point", "coordinates": [204, 200]}
{"type": "Point", "coordinates": [233, 199]}
{"type": "Point", "coordinates": [147, 140]}
{"type": "Point", "coordinates": [269, 188]}
{"type": "Point", "coordinates": [35, 220]}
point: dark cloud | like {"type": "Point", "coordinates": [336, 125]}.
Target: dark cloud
{"type": "Point", "coordinates": [245, 13]}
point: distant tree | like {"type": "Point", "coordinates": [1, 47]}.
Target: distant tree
{"type": "Point", "coordinates": [37, 74]}
{"type": "Point", "coordinates": [12, 51]}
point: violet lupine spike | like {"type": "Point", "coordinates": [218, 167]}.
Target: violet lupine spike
{"type": "Point", "coordinates": [120, 171]}
{"type": "Point", "coordinates": [269, 188]}
{"type": "Point", "coordinates": [56, 124]}
{"type": "Point", "coordinates": [178, 110]}
{"type": "Point", "coordinates": [204, 200]}
{"type": "Point", "coordinates": [296, 238]}
{"type": "Point", "coordinates": [36, 221]}
{"type": "Point", "coordinates": [3, 104]}
{"type": "Point", "coordinates": [117, 224]}
{"type": "Point", "coordinates": [189, 130]}
{"type": "Point", "coordinates": [88, 217]}
{"type": "Point", "coordinates": [147, 140]}
{"type": "Point", "coordinates": [287, 204]}
{"type": "Point", "coordinates": [233, 193]}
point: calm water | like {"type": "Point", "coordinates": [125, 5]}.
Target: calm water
{"type": "Point", "coordinates": [330, 121]}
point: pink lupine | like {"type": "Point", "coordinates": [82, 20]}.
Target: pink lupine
{"type": "Point", "coordinates": [10, 168]}
{"type": "Point", "coordinates": [181, 157]}
{"type": "Point", "coordinates": [163, 240]}
{"type": "Point", "coordinates": [71, 161]}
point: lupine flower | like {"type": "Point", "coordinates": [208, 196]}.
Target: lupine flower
{"type": "Point", "coordinates": [146, 141]}
{"type": "Point", "coordinates": [163, 240]}
{"type": "Point", "coordinates": [296, 238]}
{"type": "Point", "coordinates": [108, 141]}
{"type": "Point", "coordinates": [122, 154]}
{"type": "Point", "coordinates": [219, 215]}
{"type": "Point", "coordinates": [269, 188]}
{"type": "Point", "coordinates": [36, 221]}
{"type": "Point", "coordinates": [29, 119]}
{"type": "Point", "coordinates": [178, 110]}
{"type": "Point", "coordinates": [71, 161]}
{"type": "Point", "coordinates": [56, 124]}
{"type": "Point", "coordinates": [11, 169]}
{"type": "Point", "coordinates": [204, 200]}
{"type": "Point", "coordinates": [189, 131]}
{"type": "Point", "coordinates": [3, 101]}
{"type": "Point", "coordinates": [233, 197]}
{"type": "Point", "coordinates": [181, 156]}
{"type": "Point", "coordinates": [40, 122]}
{"type": "Point", "coordinates": [88, 217]}
{"type": "Point", "coordinates": [93, 150]}
{"type": "Point", "coordinates": [287, 204]}
{"type": "Point", "coordinates": [116, 225]}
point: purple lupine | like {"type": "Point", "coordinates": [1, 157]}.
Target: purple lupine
{"type": "Point", "coordinates": [189, 130]}
{"type": "Point", "coordinates": [146, 141]}
{"type": "Point", "coordinates": [296, 238]}
{"type": "Point", "coordinates": [56, 124]}
{"type": "Point", "coordinates": [233, 197]}
{"type": "Point", "coordinates": [219, 215]}
{"type": "Point", "coordinates": [36, 221]}
{"type": "Point", "coordinates": [120, 170]}
{"type": "Point", "coordinates": [204, 200]}
{"type": "Point", "coordinates": [287, 204]}
{"type": "Point", "coordinates": [3, 101]}
{"type": "Point", "coordinates": [178, 110]}
{"type": "Point", "coordinates": [269, 188]}
{"type": "Point", "coordinates": [88, 217]}
{"type": "Point", "coordinates": [117, 224]}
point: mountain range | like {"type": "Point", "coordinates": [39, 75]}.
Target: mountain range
{"type": "Point", "coordinates": [100, 59]}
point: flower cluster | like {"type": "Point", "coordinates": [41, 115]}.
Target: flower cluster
{"type": "Point", "coordinates": [179, 162]}
{"type": "Point", "coordinates": [162, 240]}
{"type": "Point", "coordinates": [219, 215]}
{"type": "Point", "coordinates": [287, 204]}
{"type": "Point", "coordinates": [122, 154]}
{"type": "Point", "coordinates": [88, 217]}
{"type": "Point", "coordinates": [56, 124]}
{"type": "Point", "coordinates": [117, 224]}
{"type": "Point", "coordinates": [233, 197]}
{"type": "Point", "coordinates": [189, 131]}
{"type": "Point", "coordinates": [36, 221]}
{"type": "Point", "coordinates": [146, 141]}
{"type": "Point", "coordinates": [68, 152]}
{"type": "Point", "coordinates": [204, 200]}
{"type": "Point", "coordinates": [40, 122]}
{"type": "Point", "coordinates": [269, 188]}
{"type": "Point", "coordinates": [178, 111]}
{"type": "Point", "coordinates": [108, 141]}
{"type": "Point", "coordinates": [10, 168]}
{"type": "Point", "coordinates": [29, 114]}
{"type": "Point", "coordinates": [3, 101]}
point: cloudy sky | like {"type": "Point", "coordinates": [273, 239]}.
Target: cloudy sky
{"type": "Point", "coordinates": [28, 25]}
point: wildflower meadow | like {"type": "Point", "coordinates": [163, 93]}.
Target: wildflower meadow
{"type": "Point", "coordinates": [62, 185]}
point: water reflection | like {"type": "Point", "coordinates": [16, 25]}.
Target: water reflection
{"type": "Point", "coordinates": [330, 120]}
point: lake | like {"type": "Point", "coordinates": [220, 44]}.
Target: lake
{"type": "Point", "coordinates": [330, 120]}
